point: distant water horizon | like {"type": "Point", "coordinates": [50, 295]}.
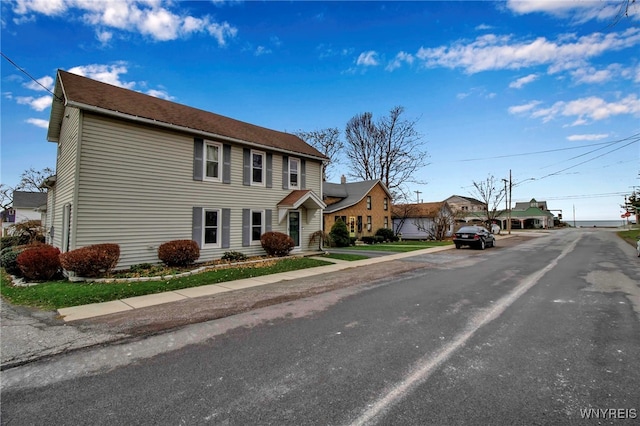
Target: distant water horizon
{"type": "Point", "coordinates": [597, 223]}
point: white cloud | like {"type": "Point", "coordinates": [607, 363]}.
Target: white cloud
{"type": "Point", "coordinates": [592, 137]}
{"type": "Point", "coordinates": [221, 32]}
{"type": "Point", "coordinates": [584, 110]}
{"type": "Point", "coordinates": [493, 52]}
{"type": "Point", "coordinates": [104, 37]}
{"type": "Point", "coordinates": [149, 18]}
{"type": "Point", "coordinates": [38, 104]}
{"type": "Point", "coordinates": [401, 58]}
{"type": "Point", "coordinates": [261, 50]}
{"type": "Point", "coordinates": [38, 122]}
{"type": "Point", "coordinates": [368, 59]}
{"type": "Point", "coordinates": [577, 11]}
{"type": "Point", "coordinates": [43, 84]}
{"type": "Point", "coordinates": [162, 94]}
{"type": "Point", "coordinates": [46, 7]}
{"type": "Point", "coordinates": [106, 73]}
{"type": "Point", "coordinates": [522, 81]}
{"type": "Point", "coordinates": [521, 109]}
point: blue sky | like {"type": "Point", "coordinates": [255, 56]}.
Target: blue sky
{"type": "Point", "coordinates": [546, 89]}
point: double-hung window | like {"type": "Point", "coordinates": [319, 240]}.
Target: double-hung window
{"type": "Point", "coordinates": [368, 202]}
{"type": "Point", "coordinates": [258, 167]}
{"type": "Point", "coordinates": [386, 203]}
{"type": "Point", "coordinates": [211, 228]}
{"type": "Point", "coordinates": [257, 225]}
{"type": "Point", "coordinates": [294, 173]}
{"type": "Point", "coordinates": [213, 161]}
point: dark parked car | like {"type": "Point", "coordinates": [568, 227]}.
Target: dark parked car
{"type": "Point", "coordinates": [474, 236]}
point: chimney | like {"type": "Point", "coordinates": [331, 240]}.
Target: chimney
{"type": "Point", "coordinates": [343, 180]}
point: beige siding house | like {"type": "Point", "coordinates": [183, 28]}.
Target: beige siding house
{"type": "Point", "coordinates": [140, 171]}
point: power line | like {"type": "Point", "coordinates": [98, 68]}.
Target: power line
{"type": "Point", "coordinates": [22, 70]}
{"type": "Point", "coordinates": [609, 143]}
{"type": "Point", "coordinates": [591, 159]}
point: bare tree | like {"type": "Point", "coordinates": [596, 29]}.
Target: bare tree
{"type": "Point", "coordinates": [491, 193]}
{"type": "Point", "coordinates": [6, 196]}
{"type": "Point", "coordinates": [389, 150]}
{"type": "Point", "coordinates": [32, 179]}
{"type": "Point", "coordinates": [438, 227]}
{"type": "Point", "coordinates": [328, 142]}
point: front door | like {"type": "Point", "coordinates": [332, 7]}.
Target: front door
{"type": "Point", "coordinates": [294, 227]}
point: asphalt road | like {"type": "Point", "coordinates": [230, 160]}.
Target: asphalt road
{"type": "Point", "coordinates": [537, 333]}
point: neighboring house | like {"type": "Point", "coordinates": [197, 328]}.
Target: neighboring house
{"type": "Point", "coordinates": [26, 206]}
{"type": "Point", "coordinates": [364, 206]}
{"type": "Point", "coordinates": [530, 215]}
{"type": "Point", "coordinates": [139, 171]}
{"type": "Point", "coordinates": [423, 221]}
{"type": "Point", "coordinates": [466, 209]}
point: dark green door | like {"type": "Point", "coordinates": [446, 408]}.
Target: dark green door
{"type": "Point", "coordinates": [294, 227]}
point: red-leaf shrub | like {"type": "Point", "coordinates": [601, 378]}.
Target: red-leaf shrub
{"type": "Point", "coordinates": [91, 261]}
{"type": "Point", "coordinates": [39, 263]}
{"type": "Point", "coordinates": [179, 252]}
{"type": "Point", "coordinates": [276, 243]}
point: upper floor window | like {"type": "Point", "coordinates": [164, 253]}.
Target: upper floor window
{"type": "Point", "coordinates": [386, 203]}
{"type": "Point", "coordinates": [212, 161]}
{"type": "Point", "coordinates": [211, 227]}
{"type": "Point", "coordinates": [294, 173]}
{"type": "Point", "coordinates": [257, 168]}
{"type": "Point", "coordinates": [368, 202]}
{"type": "Point", "coordinates": [257, 225]}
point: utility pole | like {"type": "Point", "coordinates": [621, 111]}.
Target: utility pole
{"type": "Point", "coordinates": [418, 196]}
{"type": "Point", "coordinates": [506, 201]}
{"type": "Point", "coordinates": [509, 207]}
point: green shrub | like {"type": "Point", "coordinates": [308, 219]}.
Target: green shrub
{"type": "Point", "coordinates": [141, 267]}
{"type": "Point", "coordinates": [340, 234]}
{"type": "Point", "coordinates": [386, 234]}
{"type": "Point", "coordinates": [91, 261]}
{"type": "Point", "coordinates": [234, 256]}
{"type": "Point", "coordinates": [179, 252]}
{"type": "Point", "coordinates": [13, 240]}
{"type": "Point", "coordinates": [276, 243]}
{"type": "Point", "coordinates": [39, 263]}
{"type": "Point", "coordinates": [8, 260]}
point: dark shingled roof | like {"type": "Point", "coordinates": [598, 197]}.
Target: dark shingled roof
{"type": "Point", "coordinates": [83, 92]}
{"type": "Point", "coordinates": [27, 200]}
{"type": "Point", "coordinates": [351, 193]}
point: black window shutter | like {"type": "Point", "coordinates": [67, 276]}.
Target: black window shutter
{"type": "Point", "coordinates": [198, 155]}
{"type": "Point", "coordinates": [226, 163]}
{"type": "Point", "coordinates": [269, 170]}
{"type": "Point", "coordinates": [246, 169]}
{"type": "Point", "coordinates": [196, 226]}
{"type": "Point", "coordinates": [303, 174]}
{"type": "Point", "coordinates": [285, 172]}
{"type": "Point", "coordinates": [226, 228]}
{"type": "Point", "coordinates": [246, 227]}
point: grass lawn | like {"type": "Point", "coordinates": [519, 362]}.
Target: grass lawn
{"type": "Point", "coordinates": [62, 294]}
{"type": "Point", "coordinates": [344, 256]}
{"type": "Point", "coordinates": [630, 235]}
{"type": "Point", "coordinates": [400, 246]}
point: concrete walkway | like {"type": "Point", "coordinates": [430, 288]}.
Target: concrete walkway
{"type": "Point", "coordinates": [75, 313]}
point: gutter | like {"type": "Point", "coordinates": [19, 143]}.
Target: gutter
{"type": "Point", "coordinates": [182, 129]}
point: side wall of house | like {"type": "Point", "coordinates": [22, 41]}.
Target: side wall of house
{"type": "Point", "coordinates": [66, 168]}
{"type": "Point", "coordinates": [377, 213]}
{"type": "Point", "coordinates": [137, 189]}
